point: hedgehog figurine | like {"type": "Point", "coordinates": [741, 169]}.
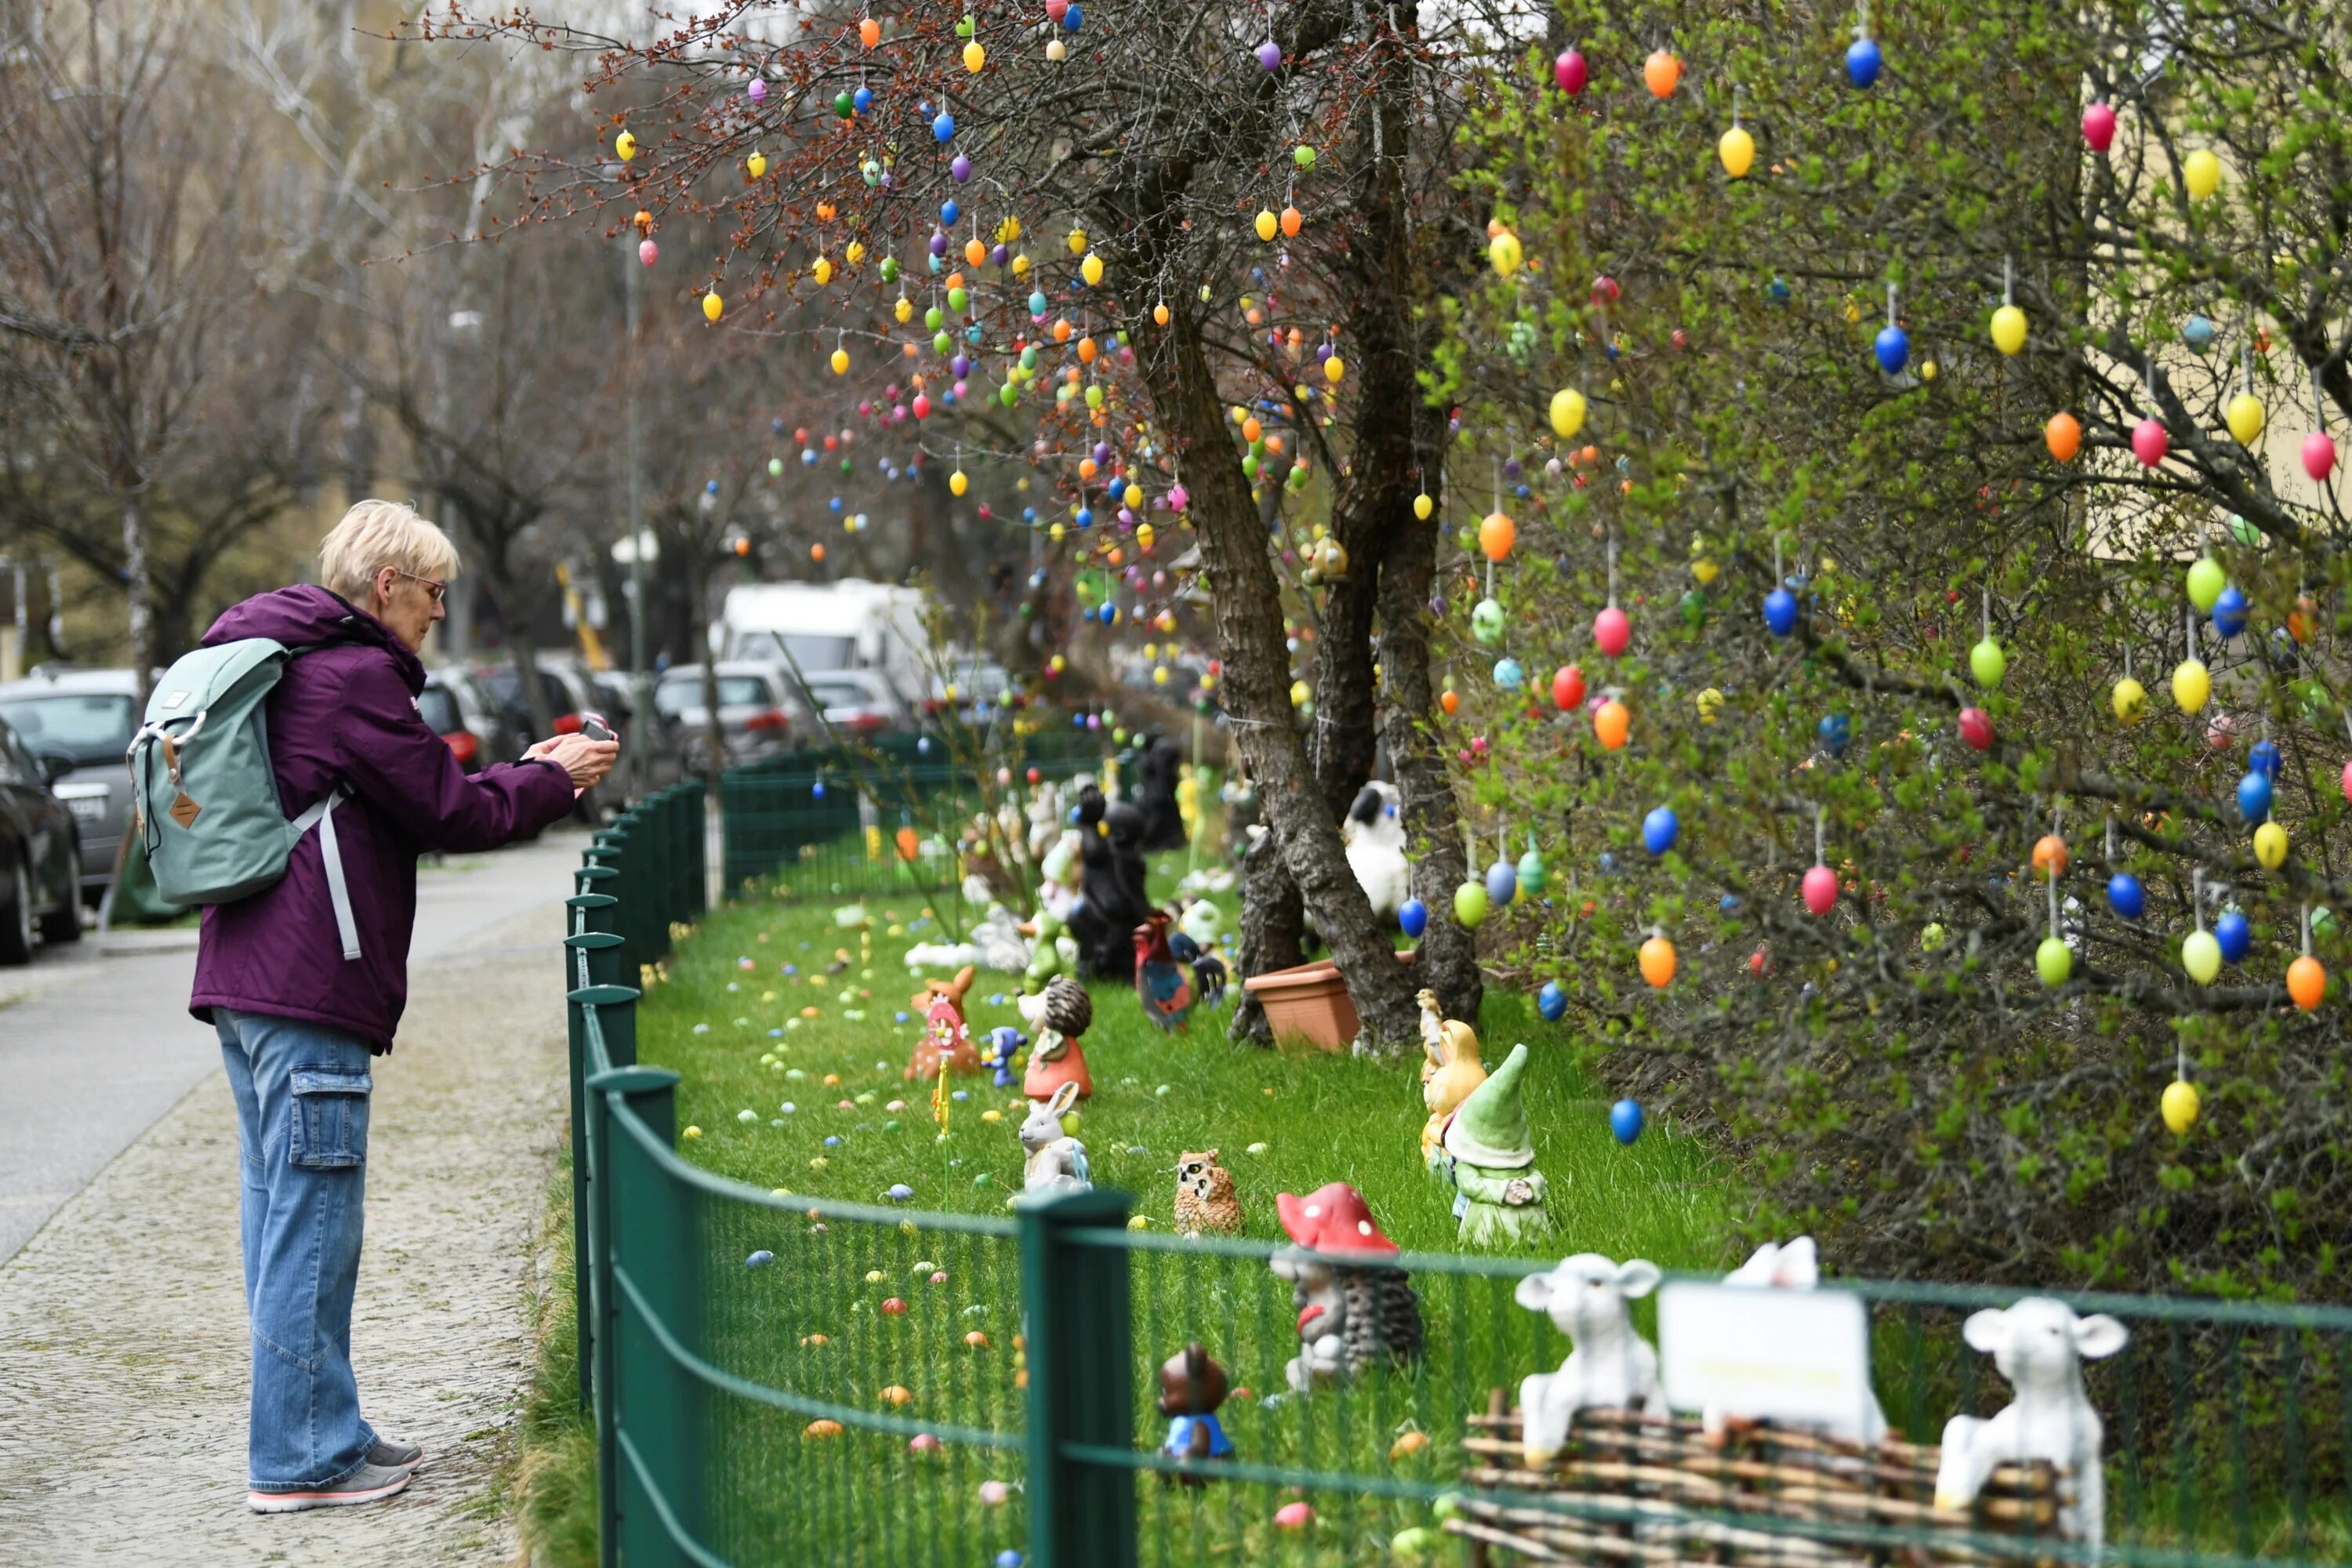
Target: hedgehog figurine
{"type": "Point", "coordinates": [1060, 1013]}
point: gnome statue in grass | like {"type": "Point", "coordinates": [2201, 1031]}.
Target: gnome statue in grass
{"type": "Point", "coordinates": [1499, 1192]}
{"type": "Point", "coordinates": [1450, 1069]}
{"type": "Point", "coordinates": [1356, 1309]}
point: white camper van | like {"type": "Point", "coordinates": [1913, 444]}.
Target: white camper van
{"type": "Point", "coordinates": [846, 625]}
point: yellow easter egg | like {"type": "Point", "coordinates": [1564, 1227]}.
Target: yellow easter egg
{"type": "Point", "coordinates": [2270, 846]}
{"type": "Point", "coordinates": [1334, 368]}
{"type": "Point", "coordinates": [2179, 1106]}
{"type": "Point", "coordinates": [840, 362]}
{"type": "Point", "coordinates": [821, 271]}
{"type": "Point", "coordinates": [2201, 173]}
{"type": "Point", "coordinates": [1078, 242]}
{"type": "Point", "coordinates": [957, 483]}
{"type": "Point", "coordinates": [904, 310]}
{"type": "Point", "coordinates": [1423, 506]}
{"type": "Point", "coordinates": [1504, 252]}
{"type": "Point", "coordinates": [2130, 701]}
{"type": "Point", "coordinates": [756, 164]}
{"type": "Point", "coordinates": [1737, 151]}
{"type": "Point", "coordinates": [974, 56]}
{"type": "Point", "coordinates": [1268, 225]}
{"type": "Point", "coordinates": [712, 306]}
{"type": "Point", "coordinates": [2192, 683]}
{"type": "Point", "coordinates": [2245, 417]}
{"type": "Point", "coordinates": [2009, 329]}
{"type": "Point", "coordinates": [626, 146]}
{"type": "Point", "coordinates": [856, 252]}
{"type": "Point", "coordinates": [1567, 412]}
{"type": "Point", "coordinates": [1091, 269]}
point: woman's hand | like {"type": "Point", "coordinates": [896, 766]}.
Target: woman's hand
{"type": "Point", "coordinates": [585, 760]}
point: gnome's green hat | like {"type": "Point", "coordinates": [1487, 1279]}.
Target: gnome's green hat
{"type": "Point", "coordinates": [1490, 1127]}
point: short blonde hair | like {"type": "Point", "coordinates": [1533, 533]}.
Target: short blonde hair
{"type": "Point", "coordinates": [376, 534]}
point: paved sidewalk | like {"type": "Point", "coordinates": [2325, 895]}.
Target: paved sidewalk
{"type": "Point", "coordinates": [124, 1350]}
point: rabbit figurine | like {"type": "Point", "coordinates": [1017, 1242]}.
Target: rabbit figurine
{"type": "Point", "coordinates": [1057, 1162]}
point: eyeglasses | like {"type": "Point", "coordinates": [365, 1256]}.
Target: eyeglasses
{"type": "Point", "coordinates": [438, 590]}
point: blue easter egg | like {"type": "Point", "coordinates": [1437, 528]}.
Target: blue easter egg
{"type": "Point", "coordinates": [835, 504]}
{"type": "Point", "coordinates": [1502, 883]}
{"type": "Point", "coordinates": [1625, 1120]}
{"type": "Point", "coordinates": [1552, 1002]}
{"type": "Point", "coordinates": [1892, 346]}
{"type": "Point", "coordinates": [2263, 759]}
{"type": "Point", "coordinates": [2197, 333]}
{"type": "Point", "coordinates": [1608, 862]}
{"type": "Point", "coordinates": [1729, 902]}
{"type": "Point", "coordinates": [2235, 932]}
{"type": "Point", "coordinates": [863, 97]}
{"type": "Point", "coordinates": [2254, 799]}
{"type": "Point", "coordinates": [948, 212]}
{"type": "Point", "coordinates": [1508, 676]}
{"type": "Point", "coordinates": [1085, 517]}
{"type": "Point", "coordinates": [833, 1140]}
{"type": "Point", "coordinates": [1659, 829]}
{"type": "Point", "coordinates": [1861, 62]}
{"type": "Point", "coordinates": [816, 790]}
{"type": "Point", "coordinates": [1071, 18]}
{"type": "Point", "coordinates": [1008, 1557]}
{"type": "Point", "coordinates": [760, 1259]}
{"type": "Point", "coordinates": [2126, 895]}
{"type": "Point", "coordinates": [1780, 612]}
{"type": "Point", "coordinates": [1779, 290]}
{"type": "Point", "coordinates": [899, 1192]}
{"type": "Point", "coordinates": [2230, 612]}
{"type": "Point", "coordinates": [1413, 917]}
{"type": "Point", "coordinates": [1036, 302]}
{"type": "Point", "coordinates": [943, 127]}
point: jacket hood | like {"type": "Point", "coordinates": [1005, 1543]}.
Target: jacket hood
{"type": "Point", "coordinates": [307, 613]}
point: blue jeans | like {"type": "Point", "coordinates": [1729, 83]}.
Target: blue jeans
{"type": "Point", "coordinates": [302, 1118]}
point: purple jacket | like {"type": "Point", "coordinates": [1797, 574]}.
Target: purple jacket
{"type": "Point", "coordinates": [349, 712]}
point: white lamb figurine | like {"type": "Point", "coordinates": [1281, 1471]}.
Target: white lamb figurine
{"type": "Point", "coordinates": [1057, 1162]}
{"type": "Point", "coordinates": [1794, 1266]}
{"type": "Point", "coordinates": [2039, 1345]}
{"type": "Point", "coordinates": [1612, 1367]}
{"type": "Point", "coordinates": [1375, 840]}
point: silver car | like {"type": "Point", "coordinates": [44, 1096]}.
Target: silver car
{"type": "Point", "coordinates": [759, 715]}
{"type": "Point", "coordinates": [84, 717]}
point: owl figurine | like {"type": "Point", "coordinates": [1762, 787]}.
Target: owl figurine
{"type": "Point", "coordinates": [1205, 1203]}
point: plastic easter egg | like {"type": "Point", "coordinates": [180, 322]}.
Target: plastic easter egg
{"type": "Point", "coordinates": [2050, 856]}
{"type": "Point", "coordinates": [1486, 622]}
{"type": "Point", "coordinates": [1509, 675]}
{"type": "Point", "coordinates": [1268, 225]}
{"type": "Point", "coordinates": [1661, 73]}
{"type": "Point", "coordinates": [1975, 729]}
{"type": "Point", "coordinates": [1502, 252]}
{"type": "Point", "coordinates": [1611, 721]}
{"type": "Point", "coordinates": [1611, 631]}
{"type": "Point", "coordinates": [2197, 331]}
{"type": "Point", "coordinates": [756, 164]}
{"type": "Point", "coordinates": [1531, 872]}
{"type": "Point", "coordinates": [2126, 895]}
{"type": "Point", "coordinates": [1412, 918]}
{"type": "Point", "coordinates": [839, 360]}
{"type": "Point", "coordinates": [2099, 127]}
{"type": "Point", "coordinates": [2254, 798]}
{"type": "Point", "coordinates": [625, 147]}
{"type": "Point", "coordinates": [1892, 347]}
{"type": "Point", "coordinates": [1293, 220]}
{"type": "Point", "coordinates": [2129, 701]}
{"type": "Point", "coordinates": [2319, 455]}
{"type": "Point", "coordinates": [2009, 329]}
{"type": "Point", "coordinates": [1091, 269]}
{"type": "Point", "coordinates": [2205, 582]}
{"type": "Point", "coordinates": [1423, 506]}
{"type": "Point", "coordinates": [1780, 612]}
{"type": "Point", "coordinates": [1660, 828]}
{"type": "Point", "coordinates": [2064, 436]}
{"type": "Point", "coordinates": [1835, 732]}
{"type": "Point", "coordinates": [1057, 50]}
{"type": "Point", "coordinates": [1293, 1515]}
{"type": "Point", "coordinates": [1567, 688]}
{"type": "Point", "coordinates": [1470, 905]}
{"type": "Point", "coordinates": [1737, 151]}
{"type": "Point", "coordinates": [943, 126]}
{"type": "Point", "coordinates": [2053, 961]}
{"type": "Point", "coordinates": [1333, 368]}
{"type": "Point", "coordinates": [869, 32]}
{"type": "Point", "coordinates": [2234, 934]}
{"type": "Point", "coordinates": [1863, 61]}
{"type": "Point", "coordinates": [2270, 846]}
{"type": "Point", "coordinates": [1820, 889]}
{"type": "Point", "coordinates": [2200, 955]}
{"type": "Point", "coordinates": [1571, 72]}
{"type": "Point", "coordinates": [2200, 174]}
{"type": "Point", "coordinates": [1552, 1002]}
{"type": "Point", "coordinates": [1502, 882]}
{"type": "Point", "coordinates": [2179, 1106]}
{"type": "Point", "coordinates": [648, 252]}
{"type": "Point", "coordinates": [1625, 1120]}
{"type": "Point", "coordinates": [1567, 412]}
{"type": "Point", "coordinates": [2264, 757]}
{"type": "Point", "coordinates": [2245, 417]}
{"type": "Point", "coordinates": [2192, 683]}
{"type": "Point", "coordinates": [1657, 958]}
{"type": "Point", "coordinates": [2150, 441]}
{"type": "Point", "coordinates": [1988, 663]}
{"type": "Point", "coordinates": [974, 56]}
{"type": "Point", "coordinates": [2306, 982]}
{"type": "Point", "coordinates": [712, 306]}
{"type": "Point", "coordinates": [1269, 55]}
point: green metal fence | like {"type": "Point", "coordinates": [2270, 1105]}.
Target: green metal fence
{"type": "Point", "coordinates": [784, 1380]}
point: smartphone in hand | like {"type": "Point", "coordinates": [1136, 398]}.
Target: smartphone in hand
{"type": "Point", "coordinates": [592, 725]}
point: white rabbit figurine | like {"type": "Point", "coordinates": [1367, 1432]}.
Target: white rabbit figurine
{"type": "Point", "coordinates": [2039, 1345]}
{"type": "Point", "coordinates": [1057, 1162]}
{"type": "Point", "coordinates": [1795, 1266]}
{"type": "Point", "coordinates": [1612, 1366]}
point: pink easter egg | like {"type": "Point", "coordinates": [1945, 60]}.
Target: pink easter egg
{"type": "Point", "coordinates": [2319, 455]}
{"type": "Point", "coordinates": [1820, 889]}
{"type": "Point", "coordinates": [2347, 781]}
{"type": "Point", "coordinates": [1975, 729]}
{"type": "Point", "coordinates": [2099, 126]}
{"type": "Point", "coordinates": [1293, 1515]}
{"type": "Point", "coordinates": [2150, 441]}
{"type": "Point", "coordinates": [1571, 72]}
{"type": "Point", "coordinates": [922, 406]}
{"type": "Point", "coordinates": [648, 252]}
{"type": "Point", "coordinates": [1611, 631]}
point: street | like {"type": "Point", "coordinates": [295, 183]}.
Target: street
{"type": "Point", "coordinates": [98, 1044]}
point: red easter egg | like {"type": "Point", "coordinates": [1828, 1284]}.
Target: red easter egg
{"type": "Point", "coordinates": [1975, 729]}
{"type": "Point", "coordinates": [1605, 290]}
{"type": "Point", "coordinates": [2099, 126]}
{"type": "Point", "coordinates": [1820, 889]}
{"type": "Point", "coordinates": [2149, 441]}
{"type": "Point", "coordinates": [1034, 775]}
{"type": "Point", "coordinates": [2319, 455]}
{"type": "Point", "coordinates": [895, 1308]}
{"type": "Point", "coordinates": [2347, 781]}
{"type": "Point", "coordinates": [1570, 71]}
{"type": "Point", "coordinates": [922, 406]}
{"type": "Point", "coordinates": [1567, 687]}
{"type": "Point", "coordinates": [1611, 631]}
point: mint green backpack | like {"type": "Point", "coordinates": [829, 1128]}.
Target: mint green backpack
{"type": "Point", "coordinates": [207, 798]}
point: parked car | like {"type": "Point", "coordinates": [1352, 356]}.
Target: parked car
{"type": "Point", "coordinates": [462, 713]}
{"type": "Point", "coordinates": [973, 688]}
{"type": "Point", "coordinates": [82, 718]}
{"type": "Point", "coordinates": [649, 740]}
{"type": "Point", "coordinates": [41, 860]}
{"type": "Point", "coordinates": [566, 694]}
{"type": "Point", "coordinates": [854, 702]}
{"type": "Point", "coordinates": [759, 716]}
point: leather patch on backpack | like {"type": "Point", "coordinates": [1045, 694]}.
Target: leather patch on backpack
{"type": "Point", "coordinates": [184, 810]}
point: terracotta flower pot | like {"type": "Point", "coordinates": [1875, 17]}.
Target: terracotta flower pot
{"type": "Point", "coordinates": [1308, 1002]}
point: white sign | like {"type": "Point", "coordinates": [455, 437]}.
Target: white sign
{"type": "Point", "coordinates": [1799, 1357]}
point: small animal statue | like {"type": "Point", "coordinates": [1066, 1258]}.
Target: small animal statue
{"type": "Point", "coordinates": [1002, 1053]}
{"type": "Point", "coordinates": [1191, 1386]}
{"type": "Point", "coordinates": [1111, 898]}
{"type": "Point", "coordinates": [1057, 1162]}
{"type": "Point", "coordinates": [1157, 771]}
{"type": "Point", "coordinates": [1450, 1069]}
{"type": "Point", "coordinates": [1209, 975]}
{"type": "Point", "coordinates": [997, 943]}
{"type": "Point", "coordinates": [1205, 1203]}
{"type": "Point", "coordinates": [2040, 1346]}
{"type": "Point", "coordinates": [1610, 1367]}
{"type": "Point", "coordinates": [1793, 1266]}
{"type": "Point", "coordinates": [1375, 844]}
{"type": "Point", "coordinates": [1161, 983]}
{"type": "Point", "coordinates": [945, 1042]}
{"type": "Point", "coordinates": [1356, 1309]}
{"type": "Point", "coordinates": [1060, 1013]}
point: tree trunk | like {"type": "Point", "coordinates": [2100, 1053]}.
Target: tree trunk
{"type": "Point", "coordinates": [1273, 927]}
{"type": "Point", "coordinates": [142, 615]}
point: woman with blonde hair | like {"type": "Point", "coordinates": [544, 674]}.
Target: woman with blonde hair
{"type": "Point", "coordinates": [303, 1003]}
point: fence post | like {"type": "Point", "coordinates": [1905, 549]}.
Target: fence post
{"type": "Point", "coordinates": [1080, 1355]}
{"type": "Point", "coordinates": [602, 1302]}
{"type": "Point", "coordinates": [586, 907]}
{"type": "Point", "coordinates": [654, 1405]}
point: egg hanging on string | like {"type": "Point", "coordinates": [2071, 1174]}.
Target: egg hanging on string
{"type": "Point", "coordinates": [2201, 956]}
{"type": "Point", "coordinates": [2064, 436]}
{"type": "Point", "coordinates": [1611, 631]}
{"type": "Point", "coordinates": [1863, 62]}
{"type": "Point", "coordinates": [2179, 1107]}
{"type": "Point", "coordinates": [2126, 895]}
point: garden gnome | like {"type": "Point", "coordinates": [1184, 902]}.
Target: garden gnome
{"type": "Point", "coordinates": [1356, 1308]}
{"type": "Point", "coordinates": [1499, 1192]}
{"type": "Point", "coordinates": [1449, 1071]}
{"type": "Point", "coordinates": [1060, 1013]}
{"type": "Point", "coordinates": [1191, 1386]}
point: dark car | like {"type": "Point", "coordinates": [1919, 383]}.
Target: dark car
{"type": "Point", "coordinates": [84, 717]}
{"type": "Point", "coordinates": [40, 863]}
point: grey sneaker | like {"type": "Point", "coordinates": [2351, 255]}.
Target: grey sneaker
{"type": "Point", "coordinates": [388, 1455]}
{"type": "Point", "coordinates": [369, 1483]}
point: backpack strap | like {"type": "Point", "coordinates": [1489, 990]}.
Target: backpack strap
{"type": "Point", "coordinates": [321, 816]}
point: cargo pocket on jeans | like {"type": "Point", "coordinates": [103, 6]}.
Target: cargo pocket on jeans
{"type": "Point", "coordinates": [330, 1118]}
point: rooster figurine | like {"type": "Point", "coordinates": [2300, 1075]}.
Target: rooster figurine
{"type": "Point", "coordinates": [1160, 983]}
{"type": "Point", "coordinates": [1208, 969]}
